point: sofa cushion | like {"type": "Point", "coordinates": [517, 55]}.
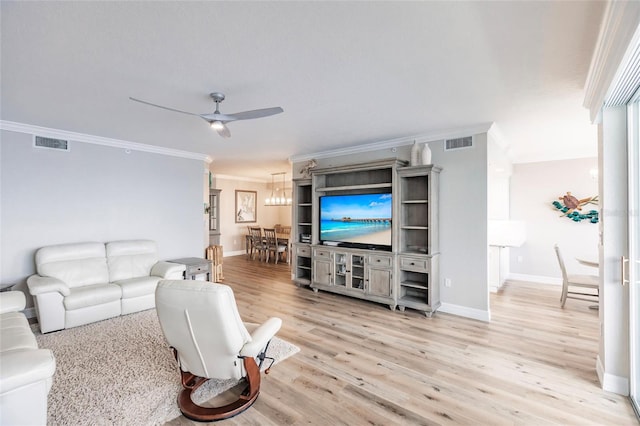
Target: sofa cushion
{"type": "Point", "coordinates": [97, 294]}
{"type": "Point", "coordinates": [77, 265]}
{"type": "Point", "coordinates": [13, 319]}
{"type": "Point", "coordinates": [17, 338]}
{"type": "Point", "coordinates": [135, 287]}
{"type": "Point", "coordinates": [130, 259]}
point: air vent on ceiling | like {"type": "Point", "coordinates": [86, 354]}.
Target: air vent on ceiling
{"type": "Point", "coordinates": [458, 143]}
{"type": "Point", "coordinates": [50, 143]}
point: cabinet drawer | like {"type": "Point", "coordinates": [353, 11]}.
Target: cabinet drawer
{"type": "Point", "coordinates": [303, 251]}
{"type": "Point", "coordinates": [192, 270]}
{"type": "Point", "coordinates": [383, 261]}
{"type": "Point", "coordinates": [414, 264]}
{"type": "Point", "coordinates": [318, 252]}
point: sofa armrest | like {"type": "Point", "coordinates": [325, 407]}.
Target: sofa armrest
{"type": "Point", "coordinates": [168, 270]}
{"type": "Point", "coordinates": [12, 301]}
{"type": "Point", "coordinates": [21, 368]}
{"type": "Point", "coordinates": [39, 285]}
{"type": "Point", "coordinates": [261, 336]}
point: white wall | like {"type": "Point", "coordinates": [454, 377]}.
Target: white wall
{"type": "Point", "coordinates": [94, 193]}
{"type": "Point", "coordinates": [534, 186]}
{"type": "Point", "coordinates": [463, 228]}
{"type": "Point", "coordinates": [232, 234]}
{"type": "Point", "coordinates": [499, 169]}
{"type": "Point", "coordinates": [463, 219]}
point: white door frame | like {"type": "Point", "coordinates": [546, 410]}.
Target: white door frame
{"type": "Point", "coordinates": [633, 265]}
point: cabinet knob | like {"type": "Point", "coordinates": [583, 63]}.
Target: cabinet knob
{"type": "Point", "coordinates": [412, 263]}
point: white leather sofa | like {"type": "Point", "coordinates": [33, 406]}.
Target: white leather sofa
{"type": "Point", "coordinates": [25, 371]}
{"type": "Point", "coordinates": [81, 283]}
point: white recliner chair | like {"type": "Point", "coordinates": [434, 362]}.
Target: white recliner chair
{"type": "Point", "coordinates": [200, 321]}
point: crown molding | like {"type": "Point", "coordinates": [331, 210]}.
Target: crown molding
{"type": "Point", "coordinates": [239, 178]}
{"type": "Point", "coordinates": [394, 143]}
{"type": "Point", "coordinates": [99, 140]}
{"type": "Point", "coordinates": [620, 21]}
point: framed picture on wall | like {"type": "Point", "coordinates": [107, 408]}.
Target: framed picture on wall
{"type": "Point", "coordinates": [246, 206]}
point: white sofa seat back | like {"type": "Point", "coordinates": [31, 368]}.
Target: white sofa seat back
{"type": "Point", "coordinates": [131, 259]}
{"type": "Point", "coordinates": [77, 264]}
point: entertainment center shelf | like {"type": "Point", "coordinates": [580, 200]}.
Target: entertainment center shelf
{"type": "Point", "coordinates": [401, 270]}
{"type": "Point", "coordinates": [353, 187]}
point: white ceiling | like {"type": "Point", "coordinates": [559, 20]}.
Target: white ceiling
{"type": "Point", "coordinates": [345, 73]}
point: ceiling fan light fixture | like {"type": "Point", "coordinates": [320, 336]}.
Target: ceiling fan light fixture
{"type": "Point", "coordinates": [217, 125]}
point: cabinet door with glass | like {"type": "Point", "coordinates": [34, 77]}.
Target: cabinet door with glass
{"type": "Point", "coordinates": [349, 270]}
{"type": "Point", "coordinates": [214, 216]}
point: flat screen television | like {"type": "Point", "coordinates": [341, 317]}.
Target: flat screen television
{"type": "Point", "coordinates": [357, 221]}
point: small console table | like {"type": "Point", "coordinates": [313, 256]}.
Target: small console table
{"type": "Point", "coordinates": [195, 266]}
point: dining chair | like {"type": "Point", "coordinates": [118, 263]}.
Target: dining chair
{"type": "Point", "coordinates": [284, 239]}
{"type": "Point", "coordinates": [248, 242]}
{"type": "Point", "coordinates": [257, 242]}
{"type": "Point", "coordinates": [584, 282]}
{"type": "Point", "coordinates": [271, 240]}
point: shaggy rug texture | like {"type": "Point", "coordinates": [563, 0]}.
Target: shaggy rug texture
{"type": "Point", "coordinates": [121, 371]}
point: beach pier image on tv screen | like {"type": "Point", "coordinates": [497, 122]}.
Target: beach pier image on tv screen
{"type": "Point", "coordinates": [360, 220]}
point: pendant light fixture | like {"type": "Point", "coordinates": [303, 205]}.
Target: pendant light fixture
{"type": "Point", "coordinates": [278, 195]}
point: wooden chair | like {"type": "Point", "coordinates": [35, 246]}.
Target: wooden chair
{"type": "Point", "coordinates": [248, 242]}
{"type": "Point", "coordinates": [284, 239]}
{"type": "Point", "coordinates": [271, 239]}
{"type": "Point", "coordinates": [257, 242]}
{"type": "Point", "coordinates": [583, 281]}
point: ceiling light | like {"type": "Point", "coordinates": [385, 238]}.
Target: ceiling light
{"type": "Point", "coordinates": [278, 195]}
{"type": "Point", "coordinates": [217, 125]}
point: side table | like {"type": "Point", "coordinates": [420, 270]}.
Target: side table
{"type": "Point", "coordinates": [195, 266]}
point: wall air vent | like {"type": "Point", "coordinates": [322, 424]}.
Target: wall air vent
{"type": "Point", "coordinates": [458, 143]}
{"type": "Point", "coordinates": [50, 143]}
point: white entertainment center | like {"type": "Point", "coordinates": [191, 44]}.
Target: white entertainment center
{"type": "Point", "coordinates": [401, 274]}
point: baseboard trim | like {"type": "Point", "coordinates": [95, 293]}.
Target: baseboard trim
{"type": "Point", "coordinates": [466, 312]}
{"type": "Point", "coordinates": [542, 279]}
{"type": "Point", "coordinates": [610, 382]}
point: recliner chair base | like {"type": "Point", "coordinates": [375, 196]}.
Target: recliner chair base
{"type": "Point", "coordinates": [193, 411]}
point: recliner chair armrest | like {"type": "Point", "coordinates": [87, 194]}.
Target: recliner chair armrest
{"type": "Point", "coordinates": [12, 301]}
{"type": "Point", "coordinates": [168, 270]}
{"type": "Point", "coordinates": [261, 336]}
{"type": "Point", "coordinates": [39, 285]}
{"type": "Point", "coordinates": [21, 368]}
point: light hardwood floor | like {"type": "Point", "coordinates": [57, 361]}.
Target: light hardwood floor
{"type": "Point", "coordinates": [360, 363]}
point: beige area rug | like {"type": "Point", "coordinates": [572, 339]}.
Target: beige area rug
{"type": "Point", "coordinates": [121, 372]}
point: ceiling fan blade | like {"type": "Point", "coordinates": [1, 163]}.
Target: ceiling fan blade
{"type": "Point", "coordinates": [256, 113]}
{"type": "Point", "coordinates": [163, 107]}
{"type": "Point", "coordinates": [224, 131]}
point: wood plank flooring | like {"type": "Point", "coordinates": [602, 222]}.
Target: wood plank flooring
{"type": "Point", "coordinates": [360, 363]}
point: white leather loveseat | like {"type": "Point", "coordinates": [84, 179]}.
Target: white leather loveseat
{"type": "Point", "coordinates": [25, 371]}
{"type": "Point", "coordinates": [81, 283]}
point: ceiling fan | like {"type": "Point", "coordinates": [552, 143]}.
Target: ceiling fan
{"type": "Point", "coordinates": [216, 119]}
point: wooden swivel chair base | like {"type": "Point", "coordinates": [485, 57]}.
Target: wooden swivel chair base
{"type": "Point", "coordinates": [193, 411]}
